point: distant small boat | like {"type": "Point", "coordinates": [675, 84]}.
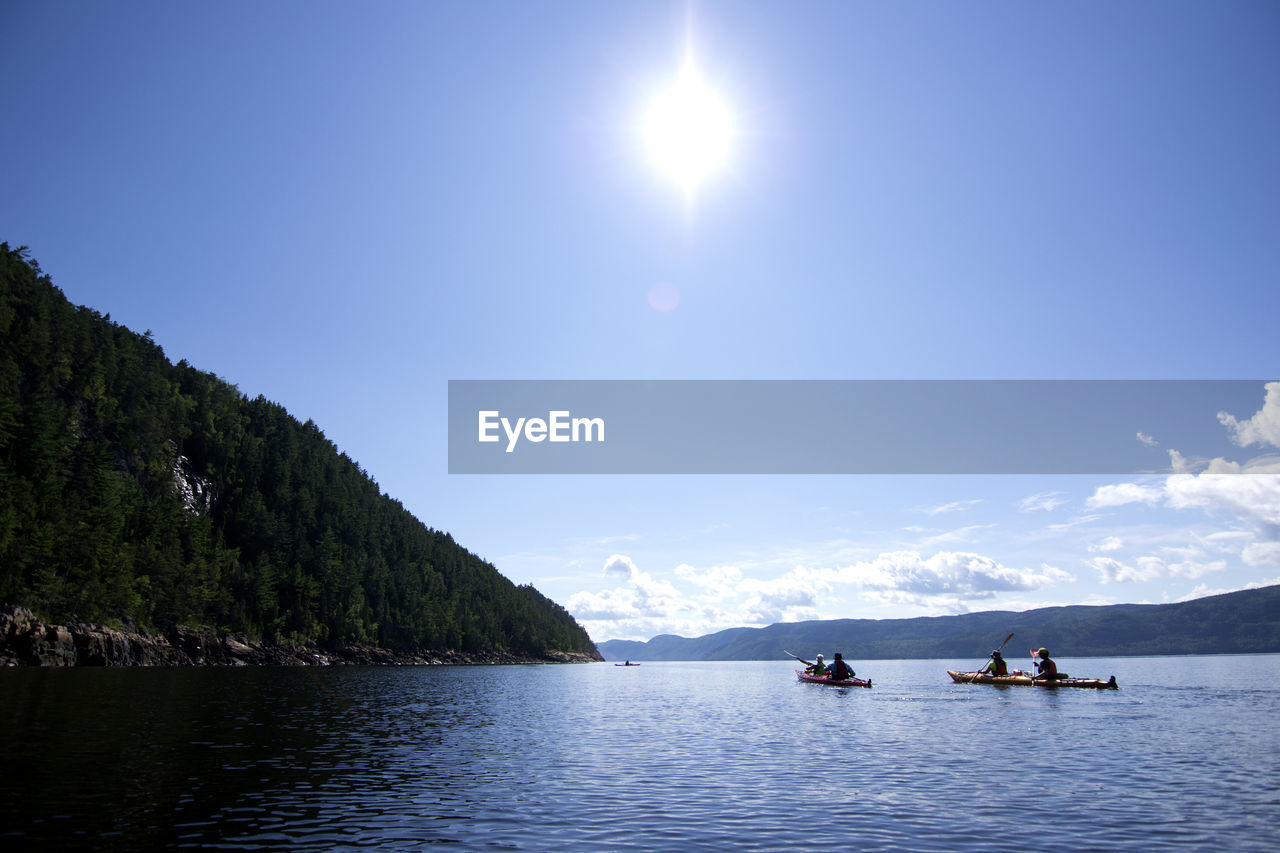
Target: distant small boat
{"type": "Point", "coordinates": [831, 682]}
{"type": "Point", "coordinates": [628, 663]}
{"type": "Point", "coordinates": [1025, 680]}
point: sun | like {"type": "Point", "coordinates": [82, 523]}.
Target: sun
{"type": "Point", "coordinates": [688, 130]}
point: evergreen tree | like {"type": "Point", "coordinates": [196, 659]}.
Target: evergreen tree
{"type": "Point", "coordinates": [144, 493]}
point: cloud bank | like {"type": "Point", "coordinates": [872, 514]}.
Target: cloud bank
{"type": "Point", "coordinates": [1242, 499]}
{"type": "Point", "coordinates": [1248, 492]}
{"type": "Point", "coordinates": [1263, 428]}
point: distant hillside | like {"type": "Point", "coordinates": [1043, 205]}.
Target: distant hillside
{"type": "Point", "coordinates": [144, 494]}
{"type": "Point", "coordinates": [1237, 622]}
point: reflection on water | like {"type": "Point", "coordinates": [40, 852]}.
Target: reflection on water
{"type": "Point", "coordinates": [674, 756]}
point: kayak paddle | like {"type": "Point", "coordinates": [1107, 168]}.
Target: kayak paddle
{"type": "Point", "coordinates": [802, 660]}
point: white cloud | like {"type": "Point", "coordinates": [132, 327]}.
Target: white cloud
{"type": "Point", "coordinates": [1047, 501]}
{"type": "Point", "coordinates": [944, 573]}
{"type": "Point", "coordinates": [790, 598]}
{"type": "Point", "coordinates": [644, 606]}
{"type": "Point", "coordinates": [1228, 536]}
{"type": "Point", "coordinates": [1249, 491]}
{"type": "Point", "coordinates": [687, 622]}
{"type": "Point", "coordinates": [609, 540]}
{"type": "Point", "coordinates": [620, 565]}
{"type": "Point", "coordinates": [715, 581]}
{"type": "Point", "coordinates": [1111, 543]}
{"type": "Point", "coordinates": [960, 598]}
{"type": "Point", "coordinates": [1252, 497]}
{"type": "Point", "coordinates": [1263, 428]}
{"type": "Point", "coordinates": [954, 506]}
{"type": "Point", "coordinates": [1113, 571]}
{"type": "Point", "coordinates": [1150, 568]}
{"type": "Point", "coordinates": [1267, 464]}
{"type": "Point", "coordinates": [1246, 496]}
{"type": "Point", "coordinates": [940, 583]}
{"type": "Point", "coordinates": [1123, 493]}
{"type": "Point", "coordinates": [1203, 590]}
{"type": "Point", "coordinates": [932, 605]}
{"type": "Point", "coordinates": [1075, 522]}
{"type": "Point", "coordinates": [608, 605]}
{"type": "Point", "coordinates": [1261, 554]}
{"type": "Point", "coordinates": [1147, 440]}
{"type": "Point", "coordinates": [961, 534]}
{"type": "Point", "coordinates": [642, 596]}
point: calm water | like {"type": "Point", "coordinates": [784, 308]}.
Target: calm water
{"type": "Point", "coordinates": [665, 756]}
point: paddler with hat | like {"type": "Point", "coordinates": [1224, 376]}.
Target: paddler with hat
{"type": "Point", "coordinates": [997, 665]}
{"type": "Point", "coordinates": [1046, 669]}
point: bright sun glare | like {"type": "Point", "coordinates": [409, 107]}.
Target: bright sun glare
{"type": "Point", "coordinates": [688, 130]}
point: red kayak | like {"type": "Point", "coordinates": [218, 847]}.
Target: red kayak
{"type": "Point", "coordinates": [831, 682]}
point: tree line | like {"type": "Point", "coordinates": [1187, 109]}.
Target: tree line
{"type": "Point", "coordinates": [141, 493]}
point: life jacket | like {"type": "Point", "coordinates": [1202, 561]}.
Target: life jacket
{"type": "Point", "coordinates": [1047, 669]}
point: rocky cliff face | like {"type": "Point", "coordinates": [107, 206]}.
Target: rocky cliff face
{"type": "Point", "coordinates": [27, 641]}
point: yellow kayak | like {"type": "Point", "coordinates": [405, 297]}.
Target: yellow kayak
{"type": "Point", "coordinates": [1025, 680]}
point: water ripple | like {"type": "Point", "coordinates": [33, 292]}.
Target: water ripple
{"type": "Point", "coordinates": [672, 757]}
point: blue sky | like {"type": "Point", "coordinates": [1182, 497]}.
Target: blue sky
{"type": "Point", "coordinates": [342, 207]}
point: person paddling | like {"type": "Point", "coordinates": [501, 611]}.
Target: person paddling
{"type": "Point", "coordinates": [818, 668]}
{"type": "Point", "coordinates": [840, 671]}
{"type": "Point", "coordinates": [997, 665]}
{"type": "Point", "coordinates": [1046, 669]}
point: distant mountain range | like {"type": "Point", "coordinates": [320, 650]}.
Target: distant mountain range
{"type": "Point", "coordinates": [1234, 623]}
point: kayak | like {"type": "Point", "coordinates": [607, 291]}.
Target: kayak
{"type": "Point", "coordinates": [1025, 680]}
{"type": "Point", "coordinates": [626, 664]}
{"type": "Point", "coordinates": [831, 682]}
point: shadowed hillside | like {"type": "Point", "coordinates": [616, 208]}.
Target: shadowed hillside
{"type": "Point", "coordinates": [146, 495]}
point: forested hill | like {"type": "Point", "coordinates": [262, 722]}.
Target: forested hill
{"type": "Point", "coordinates": [145, 494]}
{"type": "Point", "coordinates": [1233, 623]}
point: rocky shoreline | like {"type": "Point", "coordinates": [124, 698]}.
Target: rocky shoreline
{"type": "Point", "coordinates": [25, 640]}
